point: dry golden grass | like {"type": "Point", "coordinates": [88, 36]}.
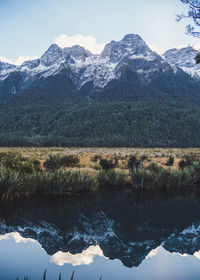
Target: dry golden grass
{"type": "Point", "coordinates": [157, 155]}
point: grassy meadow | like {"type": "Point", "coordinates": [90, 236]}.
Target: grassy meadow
{"type": "Point", "coordinates": [25, 172]}
{"type": "Point", "coordinates": [85, 155]}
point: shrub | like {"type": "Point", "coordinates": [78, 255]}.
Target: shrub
{"type": "Point", "coordinates": [95, 158]}
{"type": "Point", "coordinates": [56, 162]}
{"type": "Point", "coordinates": [116, 178]}
{"type": "Point", "coordinates": [111, 178]}
{"type": "Point", "coordinates": [154, 167]}
{"type": "Point", "coordinates": [18, 163]}
{"type": "Point", "coordinates": [170, 161]}
{"type": "Point", "coordinates": [143, 178]}
{"type": "Point", "coordinates": [101, 177]}
{"type": "Point", "coordinates": [190, 159]}
{"type": "Point", "coordinates": [134, 163]}
{"type": "Point", "coordinates": [182, 164]}
{"type": "Point", "coordinates": [106, 164]}
{"type": "Point", "coordinates": [52, 163]}
{"type": "Point", "coordinates": [68, 160]}
{"type": "Point", "coordinates": [27, 167]}
{"type": "Point", "coordinates": [11, 160]}
{"type": "Point", "coordinates": [116, 159]}
{"type": "Point", "coordinates": [36, 162]}
{"type": "Point", "coordinates": [144, 157]}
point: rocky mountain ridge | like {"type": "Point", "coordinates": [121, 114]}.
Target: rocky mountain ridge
{"type": "Point", "coordinates": [83, 67]}
{"type": "Point", "coordinates": [184, 59]}
{"type": "Point", "coordinates": [127, 238]}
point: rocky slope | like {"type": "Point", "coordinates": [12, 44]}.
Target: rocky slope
{"type": "Point", "coordinates": [126, 96]}
{"type": "Point", "coordinates": [184, 58]}
{"type": "Point", "coordinates": [85, 67]}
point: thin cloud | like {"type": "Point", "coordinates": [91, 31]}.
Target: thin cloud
{"type": "Point", "coordinates": [155, 48]}
{"type": "Point", "coordinates": [18, 61]}
{"type": "Point", "coordinates": [88, 42]}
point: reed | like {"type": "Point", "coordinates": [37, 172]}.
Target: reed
{"type": "Point", "coordinates": [59, 277]}
{"type": "Point", "coordinates": [111, 178]}
{"type": "Point", "coordinates": [15, 184]}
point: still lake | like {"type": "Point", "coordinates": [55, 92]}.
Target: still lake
{"type": "Point", "coordinates": [116, 236]}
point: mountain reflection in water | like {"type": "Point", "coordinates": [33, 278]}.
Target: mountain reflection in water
{"type": "Point", "coordinates": [108, 235]}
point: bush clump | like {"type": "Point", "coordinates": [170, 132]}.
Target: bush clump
{"type": "Point", "coordinates": [170, 161]}
{"type": "Point", "coordinates": [17, 162]}
{"type": "Point", "coordinates": [111, 178]}
{"type": "Point", "coordinates": [134, 163]}
{"type": "Point", "coordinates": [182, 164]}
{"type": "Point", "coordinates": [95, 158]}
{"type": "Point", "coordinates": [190, 159]}
{"type": "Point", "coordinates": [56, 162]}
{"type": "Point", "coordinates": [106, 164]}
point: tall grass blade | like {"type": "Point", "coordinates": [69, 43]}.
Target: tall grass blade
{"type": "Point", "coordinates": [72, 277]}
{"type": "Point", "coordinates": [44, 276]}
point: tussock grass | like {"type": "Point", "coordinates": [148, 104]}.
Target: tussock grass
{"type": "Point", "coordinates": [17, 184]}
{"type": "Point", "coordinates": [24, 176]}
{"type": "Point", "coordinates": [14, 184]}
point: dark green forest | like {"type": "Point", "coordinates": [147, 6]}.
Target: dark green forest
{"type": "Point", "coordinates": [126, 113]}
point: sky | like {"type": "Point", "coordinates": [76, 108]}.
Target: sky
{"type": "Point", "coordinates": [29, 27]}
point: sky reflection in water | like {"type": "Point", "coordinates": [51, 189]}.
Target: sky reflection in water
{"type": "Point", "coordinates": [24, 256]}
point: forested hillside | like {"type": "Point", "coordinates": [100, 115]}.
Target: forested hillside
{"type": "Point", "coordinates": [127, 96]}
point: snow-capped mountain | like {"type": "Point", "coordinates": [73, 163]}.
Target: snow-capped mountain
{"type": "Point", "coordinates": [184, 242]}
{"type": "Point", "coordinates": [5, 69]}
{"type": "Point", "coordinates": [184, 58]}
{"type": "Point", "coordinates": [123, 231]}
{"type": "Point", "coordinates": [82, 66]}
{"type": "Point", "coordinates": [85, 67]}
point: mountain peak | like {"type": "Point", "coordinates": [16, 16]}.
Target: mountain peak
{"type": "Point", "coordinates": [130, 38]}
{"type": "Point", "coordinates": [51, 55]}
{"type": "Point", "coordinates": [6, 68]}
{"type": "Point", "coordinates": [130, 44]}
{"type": "Point", "coordinates": [184, 58]}
{"type": "Point", "coordinates": [53, 47]}
{"type": "Point", "coordinates": [78, 52]}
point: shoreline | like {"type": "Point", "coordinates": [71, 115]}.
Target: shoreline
{"type": "Point", "coordinates": [26, 172]}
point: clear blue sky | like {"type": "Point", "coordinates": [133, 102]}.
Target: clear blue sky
{"type": "Point", "coordinates": [28, 27]}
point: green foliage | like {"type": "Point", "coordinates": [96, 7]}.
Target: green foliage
{"type": "Point", "coordinates": [144, 157]}
{"type": "Point", "coordinates": [116, 124]}
{"type": "Point", "coordinates": [95, 158]}
{"type": "Point", "coordinates": [55, 162]}
{"type": "Point", "coordinates": [14, 185]}
{"type": "Point", "coordinates": [20, 180]}
{"type": "Point", "coordinates": [106, 164]}
{"type": "Point", "coordinates": [170, 161]}
{"type": "Point", "coordinates": [142, 178]}
{"type": "Point", "coordinates": [134, 162]}
{"type": "Point", "coordinates": [126, 113]}
{"type": "Point", "coordinates": [116, 178]}
{"type": "Point", "coordinates": [190, 159]}
{"type": "Point", "coordinates": [182, 164]}
{"type": "Point", "coordinates": [16, 162]}
{"type": "Point", "coordinates": [155, 168]}
{"type": "Point", "coordinates": [111, 178]}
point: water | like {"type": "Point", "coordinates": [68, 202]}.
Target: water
{"type": "Point", "coordinates": [118, 237]}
